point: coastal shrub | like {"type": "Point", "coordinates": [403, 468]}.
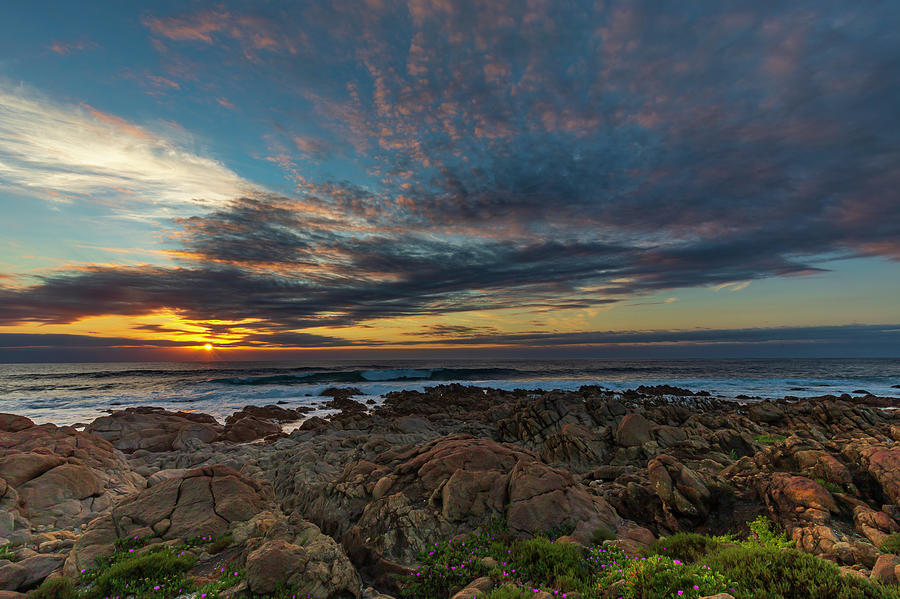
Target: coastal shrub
{"type": "Point", "coordinates": [55, 588]}
{"type": "Point", "coordinates": [509, 591]}
{"type": "Point", "coordinates": [684, 546]}
{"type": "Point", "coordinates": [559, 565]}
{"type": "Point", "coordinates": [763, 572]}
{"type": "Point", "coordinates": [129, 543]}
{"type": "Point", "coordinates": [449, 564]}
{"type": "Point", "coordinates": [891, 543]}
{"type": "Point", "coordinates": [659, 577]}
{"type": "Point", "coordinates": [155, 574]}
{"type": "Point", "coordinates": [764, 532]}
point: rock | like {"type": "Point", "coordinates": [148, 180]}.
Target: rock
{"type": "Point", "coordinates": [58, 476]}
{"type": "Point", "coordinates": [818, 540]}
{"type": "Point", "coordinates": [340, 392]}
{"type": "Point", "coordinates": [204, 502]}
{"type": "Point", "coordinates": [659, 390]}
{"type": "Point", "coordinates": [444, 487]}
{"type": "Point", "coordinates": [29, 572]}
{"type": "Point", "coordinates": [633, 430]}
{"type": "Point", "coordinates": [12, 423]}
{"type": "Point", "coordinates": [318, 569]}
{"type": "Point", "coordinates": [346, 405]}
{"type": "Point", "coordinates": [575, 447]}
{"type": "Point", "coordinates": [884, 465]}
{"type": "Point", "coordinates": [797, 498]}
{"type": "Point", "coordinates": [412, 425]}
{"type": "Point", "coordinates": [883, 570]}
{"type": "Point", "coordinates": [19, 468]}
{"type": "Point", "coordinates": [669, 436]}
{"type": "Point", "coordinates": [164, 475]}
{"type": "Point", "coordinates": [249, 428]}
{"type": "Point", "coordinates": [479, 587]}
{"type": "Point", "coordinates": [155, 429]}
{"type": "Point", "coordinates": [874, 525]}
{"type": "Point", "coordinates": [766, 412]}
{"type": "Point", "coordinates": [269, 412]}
{"type": "Point", "coordinates": [819, 464]}
{"type": "Point", "coordinates": [679, 488]}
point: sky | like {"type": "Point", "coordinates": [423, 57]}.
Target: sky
{"type": "Point", "coordinates": [262, 180]}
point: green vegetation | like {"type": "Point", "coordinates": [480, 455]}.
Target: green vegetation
{"type": "Point", "coordinates": [157, 573]}
{"type": "Point", "coordinates": [138, 568]}
{"type": "Point", "coordinates": [685, 546]}
{"type": "Point", "coordinates": [761, 565]}
{"type": "Point", "coordinates": [509, 591]}
{"type": "Point", "coordinates": [7, 553]}
{"type": "Point", "coordinates": [56, 588]}
{"type": "Point", "coordinates": [768, 573]}
{"type": "Point", "coordinates": [829, 486]}
{"type": "Point", "coordinates": [891, 543]}
{"type": "Point", "coordinates": [769, 439]}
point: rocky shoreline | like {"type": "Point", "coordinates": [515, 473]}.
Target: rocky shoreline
{"type": "Point", "coordinates": [345, 505]}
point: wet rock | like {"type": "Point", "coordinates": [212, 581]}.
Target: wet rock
{"type": "Point", "coordinates": [340, 392]}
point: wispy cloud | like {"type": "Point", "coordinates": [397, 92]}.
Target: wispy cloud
{"type": "Point", "coordinates": [63, 48]}
{"type": "Point", "coordinates": [65, 152]}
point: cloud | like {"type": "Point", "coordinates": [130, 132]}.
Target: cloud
{"type": "Point", "coordinates": [63, 47]}
{"type": "Point", "coordinates": [254, 32]}
{"type": "Point", "coordinates": [44, 340]}
{"type": "Point", "coordinates": [64, 153]}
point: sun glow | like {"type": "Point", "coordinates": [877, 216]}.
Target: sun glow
{"type": "Point", "coordinates": [208, 347]}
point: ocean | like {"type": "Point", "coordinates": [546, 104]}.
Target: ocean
{"type": "Point", "coordinates": [78, 393]}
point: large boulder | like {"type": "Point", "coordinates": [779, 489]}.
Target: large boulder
{"type": "Point", "coordinates": [155, 429]}
{"type": "Point", "coordinates": [796, 500]}
{"type": "Point", "coordinates": [59, 476]}
{"type": "Point", "coordinates": [314, 566]}
{"type": "Point", "coordinates": [203, 502]}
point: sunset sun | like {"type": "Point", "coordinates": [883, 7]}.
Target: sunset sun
{"type": "Point", "coordinates": [208, 347]}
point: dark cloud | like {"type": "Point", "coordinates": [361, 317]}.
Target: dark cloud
{"type": "Point", "coordinates": [877, 335]}
{"type": "Point", "coordinates": [41, 340]}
